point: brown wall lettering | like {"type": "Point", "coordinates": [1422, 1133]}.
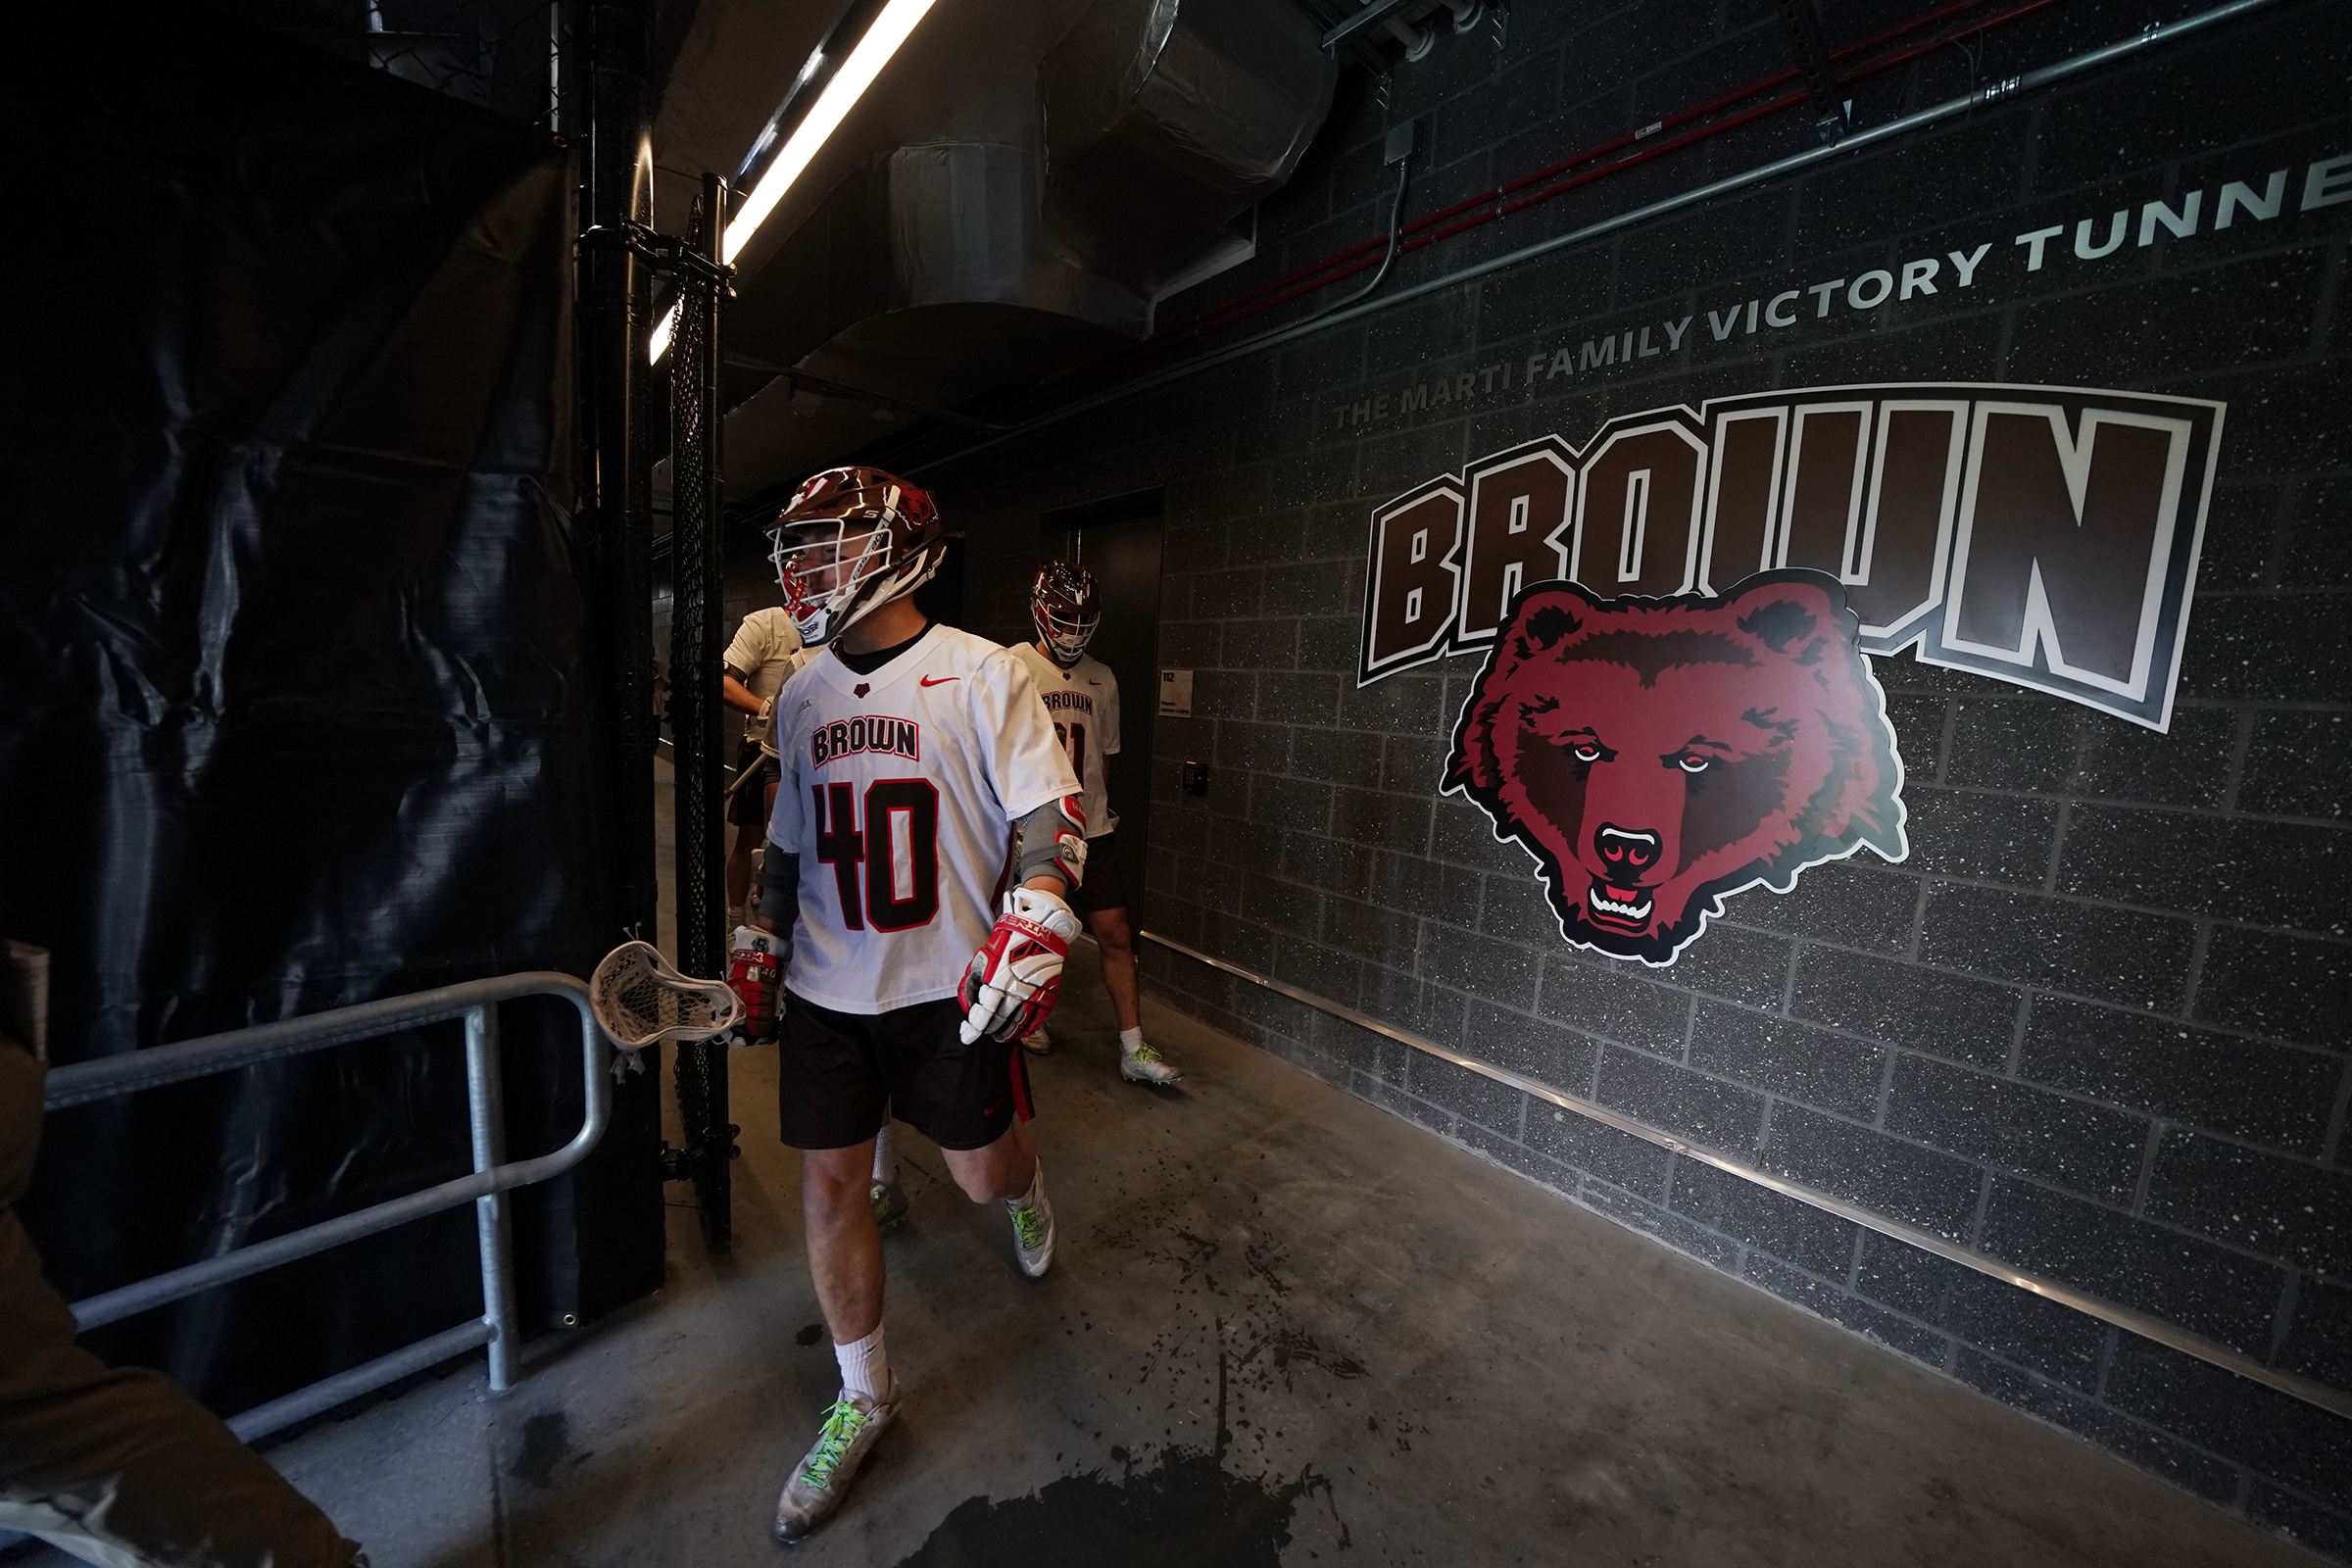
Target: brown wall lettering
{"type": "Point", "coordinates": [2044, 536]}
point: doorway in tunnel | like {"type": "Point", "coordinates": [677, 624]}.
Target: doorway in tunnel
{"type": "Point", "coordinates": [1118, 540]}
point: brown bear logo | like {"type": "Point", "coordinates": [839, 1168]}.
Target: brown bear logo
{"type": "Point", "coordinates": [1655, 754]}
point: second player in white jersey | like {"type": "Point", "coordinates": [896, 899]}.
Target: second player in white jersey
{"type": "Point", "coordinates": [1082, 696]}
{"type": "Point", "coordinates": [896, 790]}
{"type": "Point", "coordinates": [1083, 701]}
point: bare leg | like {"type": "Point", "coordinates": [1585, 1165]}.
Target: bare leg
{"type": "Point", "coordinates": [1003, 1170]}
{"type": "Point", "coordinates": [739, 863]}
{"type": "Point", "coordinates": [1117, 942]}
{"type": "Point", "coordinates": [845, 1245]}
{"type": "Point", "coordinates": [739, 857]}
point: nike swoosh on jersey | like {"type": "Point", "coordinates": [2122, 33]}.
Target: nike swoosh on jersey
{"type": "Point", "coordinates": [941, 681]}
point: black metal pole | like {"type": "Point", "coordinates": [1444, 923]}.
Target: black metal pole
{"type": "Point", "coordinates": [616, 481]}
{"type": "Point", "coordinates": [605, 1237]}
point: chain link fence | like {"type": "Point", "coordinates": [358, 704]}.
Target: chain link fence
{"type": "Point", "coordinates": [699, 721]}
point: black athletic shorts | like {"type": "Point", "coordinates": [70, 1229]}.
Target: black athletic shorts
{"type": "Point", "coordinates": [749, 805]}
{"type": "Point", "coordinates": [841, 1069]}
{"type": "Point", "coordinates": [1100, 889]}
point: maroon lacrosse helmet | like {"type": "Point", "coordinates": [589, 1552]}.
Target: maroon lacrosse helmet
{"type": "Point", "coordinates": [850, 541]}
{"type": "Point", "coordinates": [1066, 610]}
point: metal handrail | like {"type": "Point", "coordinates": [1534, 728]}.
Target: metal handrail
{"type": "Point", "coordinates": [477, 1003]}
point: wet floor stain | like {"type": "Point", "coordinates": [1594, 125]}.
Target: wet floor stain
{"type": "Point", "coordinates": [546, 1444]}
{"type": "Point", "coordinates": [810, 1335]}
{"type": "Point", "coordinates": [1186, 1512]}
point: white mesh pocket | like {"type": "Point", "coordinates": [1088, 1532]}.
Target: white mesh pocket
{"type": "Point", "coordinates": [639, 999]}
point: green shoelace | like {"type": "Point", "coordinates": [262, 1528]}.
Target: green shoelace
{"type": "Point", "coordinates": [1028, 1226]}
{"type": "Point", "coordinates": [1146, 1053]}
{"type": "Point", "coordinates": [843, 1422]}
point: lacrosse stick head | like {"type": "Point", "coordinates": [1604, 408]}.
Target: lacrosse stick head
{"type": "Point", "coordinates": [640, 999]}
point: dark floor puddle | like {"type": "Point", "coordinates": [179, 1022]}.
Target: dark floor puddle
{"type": "Point", "coordinates": [1186, 1512]}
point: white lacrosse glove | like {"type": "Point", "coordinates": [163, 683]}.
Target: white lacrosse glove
{"type": "Point", "coordinates": [1016, 977]}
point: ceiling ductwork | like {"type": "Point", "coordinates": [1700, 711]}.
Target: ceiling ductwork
{"type": "Point", "coordinates": [1166, 118]}
{"type": "Point", "coordinates": [1037, 228]}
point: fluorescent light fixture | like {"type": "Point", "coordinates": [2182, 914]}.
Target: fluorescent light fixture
{"type": "Point", "coordinates": [833, 106]}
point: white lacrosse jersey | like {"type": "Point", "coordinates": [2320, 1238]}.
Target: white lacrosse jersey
{"type": "Point", "coordinates": [1083, 701]}
{"type": "Point", "coordinates": [899, 794]}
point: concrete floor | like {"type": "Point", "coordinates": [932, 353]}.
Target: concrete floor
{"type": "Point", "coordinates": [1283, 1326]}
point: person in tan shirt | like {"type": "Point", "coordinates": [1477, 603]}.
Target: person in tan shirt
{"type": "Point", "coordinates": [766, 650]}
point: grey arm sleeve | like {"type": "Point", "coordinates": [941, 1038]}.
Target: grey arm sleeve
{"type": "Point", "coordinates": [779, 885]}
{"type": "Point", "coordinates": [1052, 838]}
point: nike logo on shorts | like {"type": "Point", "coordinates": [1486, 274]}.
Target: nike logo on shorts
{"type": "Point", "coordinates": [941, 681]}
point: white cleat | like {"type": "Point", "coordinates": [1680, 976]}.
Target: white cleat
{"type": "Point", "coordinates": [1146, 1065]}
{"type": "Point", "coordinates": [823, 1479]}
{"type": "Point", "coordinates": [1033, 1228]}
{"type": "Point", "coordinates": [1038, 1043]}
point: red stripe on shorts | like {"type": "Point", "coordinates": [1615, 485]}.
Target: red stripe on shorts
{"type": "Point", "coordinates": [1021, 1085]}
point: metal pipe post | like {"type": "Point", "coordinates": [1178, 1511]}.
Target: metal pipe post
{"type": "Point", "coordinates": [486, 1104]}
{"type": "Point", "coordinates": [617, 477]}
{"type": "Point", "coordinates": [607, 1229]}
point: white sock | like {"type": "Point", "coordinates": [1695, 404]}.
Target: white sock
{"type": "Point", "coordinates": [1036, 1180]}
{"type": "Point", "coordinates": [864, 1368]}
{"type": "Point", "coordinates": [885, 1159]}
{"type": "Point", "coordinates": [1130, 1039]}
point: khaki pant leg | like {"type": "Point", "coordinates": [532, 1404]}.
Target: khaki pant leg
{"type": "Point", "coordinates": [117, 1465]}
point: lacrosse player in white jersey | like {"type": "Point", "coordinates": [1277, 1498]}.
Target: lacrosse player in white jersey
{"type": "Point", "coordinates": [1082, 698]}
{"type": "Point", "coordinates": [910, 753]}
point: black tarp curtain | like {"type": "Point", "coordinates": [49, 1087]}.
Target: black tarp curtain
{"type": "Point", "coordinates": [297, 676]}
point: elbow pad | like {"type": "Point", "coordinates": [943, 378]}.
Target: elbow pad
{"type": "Point", "coordinates": [1052, 838]}
{"type": "Point", "coordinates": [779, 885]}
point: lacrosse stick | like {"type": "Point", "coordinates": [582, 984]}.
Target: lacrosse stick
{"type": "Point", "coordinates": [640, 1000]}
{"type": "Point", "coordinates": [767, 754]}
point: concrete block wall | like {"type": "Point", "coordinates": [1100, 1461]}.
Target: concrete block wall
{"type": "Point", "coordinates": [2096, 1025]}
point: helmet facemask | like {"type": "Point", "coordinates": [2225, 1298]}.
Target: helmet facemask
{"type": "Point", "coordinates": [834, 571]}
{"type": "Point", "coordinates": [1065, 610]}
{"type": "Point", "coordinates": [1065, 636]}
